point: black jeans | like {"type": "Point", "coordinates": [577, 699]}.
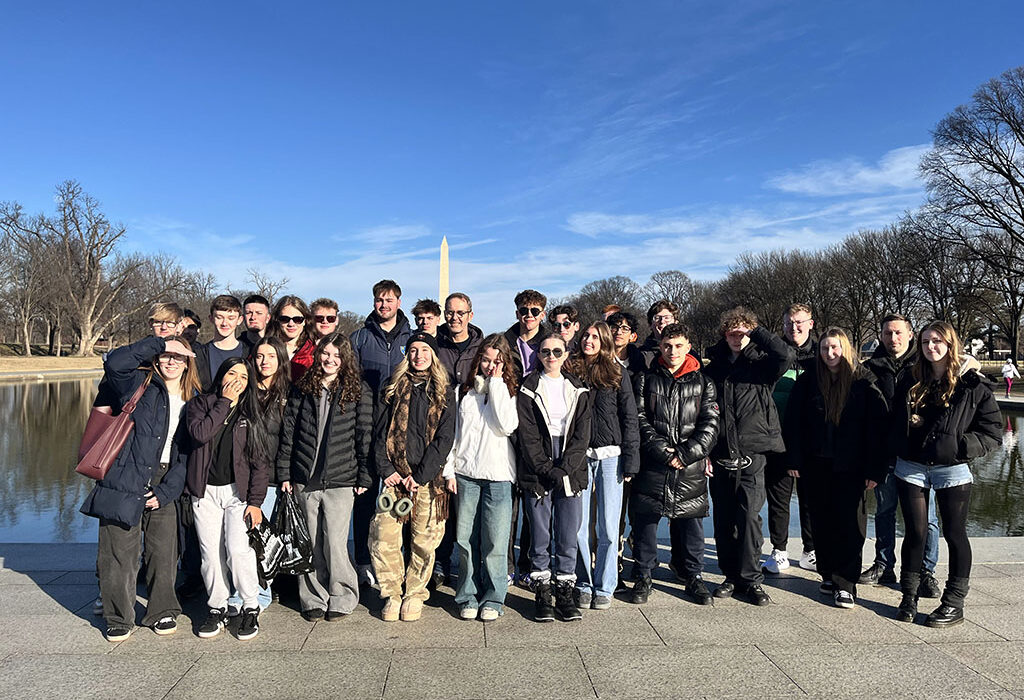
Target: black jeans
{"type": "Point", "coordinates": [778, 487]}
{"type": "Point", "coordinates": [839, 518]}
{"type": "Point", "coordinates": [444, 551]}
{"type": "Point", "coordinates": [737, 497]}
{"type": "Point", "coordinates": [524, 564]}
{"type": "Point", "coordinates": [687, 545]}
{"type": "Point", "coordinates": [364, 507]}
{"type": "Point", "coordinates": [118, 559]}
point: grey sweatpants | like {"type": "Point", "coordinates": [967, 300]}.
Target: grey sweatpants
{"type": "Point", "coordinates": [333, 583]}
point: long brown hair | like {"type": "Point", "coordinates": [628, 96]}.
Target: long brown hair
{"type": "Point", "coordinates": [835, 387]}
{"type": "Point", "coordinates": [189, 384]}
{"type": "Point", "coordinates": [923, 367]}
{"type": "Point", "coordinates": [602, 370]}
{"type": "Point", "coordinates": [497, 342]}
{"type": "Point", "coordinates": [275, 329]}
{"type": "Point", "coordinates": [346, 386]}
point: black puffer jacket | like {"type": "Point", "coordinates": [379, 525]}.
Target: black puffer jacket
{"type": "Point", "coordinates": [852, 447]}
{"type": "Point", "coordinates": [538, 472]}
{"type": "Point", "coordinates": [613, 422]}
{"type": "Point", "coordinates": [343, 459]}
{"type": "Point", "coordinates": [889, 370]}
{"type": "Point", "coordinates": [425, 459]}
{"type": "Point", "coordinates": [969, 427]}
{"type": "Point", "coordinates": [750, 419]}
{"type": "Point", "coordinates": [678, 417]}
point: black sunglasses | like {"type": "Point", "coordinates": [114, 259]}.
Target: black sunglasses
{"type": "Point", "coordinates": [563, 324]}
{"type": "Point", "coordinates": [294, 319]}
{"type": "Point", "coordinates": [553, 352]}
{"type": "Point", "coordinates": [324, 319]}
{"type": "Point", "coordinates": [530, 311]}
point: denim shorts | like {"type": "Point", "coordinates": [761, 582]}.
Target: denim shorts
{"type": "Point", "coordinates": [933, 477]}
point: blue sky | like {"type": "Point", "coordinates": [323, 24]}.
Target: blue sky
{"type": "Point", "coordinates": [553, 143]}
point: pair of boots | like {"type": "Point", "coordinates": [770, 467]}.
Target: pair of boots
{"type": "Point", "coordinates": [951, 610]}
{"type": "Point", "coordinates": [564, 603]}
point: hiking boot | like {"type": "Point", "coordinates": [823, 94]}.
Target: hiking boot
{"type": "Point", "coordinates": [544, 611]}
{"type": "Point", "coordinates": [601, 602]}
{"type": "Point", "coordinates": [725, 589]}
{"type": "Point", "coordinates": [165, 625]}
{"type": "Point", "coordinates": [249, 627]}
{"type": "Point", "coordinates": [214, 623]}
{"type": "Point", "coordinates": [843, 599]}
{"type": "Point", "coordinates": [641, 591]}
{"type": "Point", "coordinates": [776, 563]}
{"type": "Point", "coordinates": [696, 589]}
{"type": "Point", "coordinates": [564, 603]}
{"type": "Point", "coordinates": [809, 561]}
{"type": "Point", "coordinates": [929, 587]}
{"type": "Point", "coordinates": [118, 633]}
{"type": "Point", "coordinates": [945, 616]}
{"type": "Point", "coordinates": [753, 594]}
{"type": "Point", "coordinates": [907, 610]}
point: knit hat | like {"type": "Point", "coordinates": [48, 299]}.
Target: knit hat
{"type": "Point", "coordinates": [421, 337]}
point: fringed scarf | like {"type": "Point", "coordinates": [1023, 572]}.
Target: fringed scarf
{"type": "Point", "coordinates": [396, 440]}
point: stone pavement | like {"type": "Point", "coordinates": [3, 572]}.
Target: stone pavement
{"type": "Point", "coordinates": [51, 645]}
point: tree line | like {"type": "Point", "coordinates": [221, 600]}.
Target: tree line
{"type": "Point", "coordinates": [959, 257]}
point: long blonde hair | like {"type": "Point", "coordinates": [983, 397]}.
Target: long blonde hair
{"type": "Point", "coordinates": [437, 381]}
{"type": "Point", "coordinates": [923, 367]}
{"type": "Point", "coordinates": [835, 387]}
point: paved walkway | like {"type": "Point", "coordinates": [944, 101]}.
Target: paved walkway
{"type": "Point", "coordinates": [51, 645]}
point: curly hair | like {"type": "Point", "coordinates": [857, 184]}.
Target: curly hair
{"type": "Point", "coordinates": [437, 381]}
{"type": "Point", "coordinates": [346, 385]}
{"type": "Point", "coordinates": [925, 389]}
{"type": "Point", "coordinates": [601, 370]}
{"type": "Point", "coordinates": [508, 373]}
{"type": "Point", "coordinates": [736, 317]}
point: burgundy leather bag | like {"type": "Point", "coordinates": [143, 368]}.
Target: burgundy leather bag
{"type": "Point", "coordinates": [105, 435]}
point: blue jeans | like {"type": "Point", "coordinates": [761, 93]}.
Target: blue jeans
{"type": "Point", "coordinates": [886, 503]}
{"type": "Point", "coordinates": [483, 527]}
{"type": "Point", "coordinates": [265, 598]}
{"type": "Point", "coordinates": [606, 480]}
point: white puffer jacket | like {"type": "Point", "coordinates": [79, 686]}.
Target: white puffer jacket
{"type": "Point", "coordinates": [484, 425]}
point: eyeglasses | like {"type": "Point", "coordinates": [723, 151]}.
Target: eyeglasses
{"type": "Point", "coordinates": [530, 311]}
{"type": "Point", "coordinates": [562, 324]}
{"type": "Point", "coordinates": [453, 314]}
{"type": "Point", "coordinates": [285, 320]}
{"type": "Point", "coordinates": [162, 324]}
{"type": "Point", "coordinates": [173, 358]}
{"type": "Point", "coordinates": [323, 319]}
{"type": "Point", "coordinates": [624, 328]}
{"type": "Point", "coordinates": [664, 318]}
{"type": "Point", "coordinates": [552, 352]}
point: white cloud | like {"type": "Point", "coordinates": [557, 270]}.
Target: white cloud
{"type": "Point", "coordinates": [896, 170]}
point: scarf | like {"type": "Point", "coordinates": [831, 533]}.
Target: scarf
{"type": "Point", "coordinates": [398, 433]}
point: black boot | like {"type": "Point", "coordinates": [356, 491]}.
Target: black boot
{"type": "Point", "coordinates": [910, 582]}
{"type": "Point", "coordinates": [544, 610]}
{"type": "Point", "coordinates": [641, 590]}
{"type": "Point", "coordinates": [565, 601]}
{"type": "Point", "coordinates": [951, 612]}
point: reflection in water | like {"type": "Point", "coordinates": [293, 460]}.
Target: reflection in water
{"type": "Point", "coordinates": [40, 493]}
{"type": "Point", "coordinates": [41, 424]}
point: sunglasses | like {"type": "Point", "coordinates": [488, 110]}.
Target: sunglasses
{"type": "Point", "coordinates": [285, 320]}
{"type": "Point", "coordinates": [562, 324]}
{"type": "Point", "coordinates": [324, 319]}
{"type": "Point", "coordinates": [552, 352]}
{"type": "Point", "coordinates": [530, 311]}
{"type": "Point", "coordinates": [173, 358]}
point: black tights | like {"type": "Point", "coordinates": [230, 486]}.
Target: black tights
{"type": "Point", "coordinates": [952, 503]}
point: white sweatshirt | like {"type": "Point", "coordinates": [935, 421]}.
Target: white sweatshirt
{"type": "Point", "coordinates": [486, 419]}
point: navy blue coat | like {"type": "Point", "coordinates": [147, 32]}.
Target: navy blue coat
{"type": "Point", "coordinates": [378, 352]}
{"type": "Point", "coordinates": [120, 496]}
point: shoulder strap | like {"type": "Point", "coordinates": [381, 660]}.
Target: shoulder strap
{"type": "Point", "coordinates": [130, 406]}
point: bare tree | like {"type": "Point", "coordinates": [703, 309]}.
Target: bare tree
{"type": "Point", "coordinates": [594, 296]}
{"type": "Point", "coordinates": [28, 268]}
{"type": "Point", "coordinates": [264, 285]}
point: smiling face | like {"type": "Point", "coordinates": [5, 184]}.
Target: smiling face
{"type": "Point", "coordinates": [292, 321]}
{"type": "Point", "coordinates": [934, 346]}
{"type": "Point", "coordinates": [622, 335]}
{"type": "Point", "coordinates": [831, 350]}
{"type": "Point", "coordinates": [530, 317]}
{"type": "Point", "coordinates": [225, 322]}
{"type": "Point", "coordinates": [674, 351]}
{"type": "Point", "coordinates": [171, 365]}
{"type": "Point", "coordinates": [325, 321]}
{"type": "Point", "coordinates": [590, 342]}
{"type": "Point", "coordinates": [386, 305]}
{"type": "Point", "coordinates": [420, 356]}
{"type": "Point", "coordinates": [266, 360]}
{"type": "Point", "coordinates": [330, 360]}
{"type": "Point", "coordinates": [457, 315]}
{"type": "Point", "coordinates": [490, 362]}
{"type": "Point", "coordinates": [798, 327]}
{"type": "Point", "coordinates": [552, 355]}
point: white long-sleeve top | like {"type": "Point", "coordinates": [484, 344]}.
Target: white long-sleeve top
{"type": "Point", "coordinates": [1010, 371]}
{"type": "Point", "coordinates": [484, 425]}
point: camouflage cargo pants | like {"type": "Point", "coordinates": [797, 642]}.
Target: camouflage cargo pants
{"type": "Point", "coordinates": [386, 547]}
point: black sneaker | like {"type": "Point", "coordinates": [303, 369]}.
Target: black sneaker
{"type": "Point", "coordinates": [725, 589]}
{"type": "Point", "coordinates": [544, 610]}
{"type": "Point", "coordinates": [334, 615]}
{"type": "Point", "coordinates": [118, 633]}
{"type": "Point", "coordinates": [827, 588]}
{"type": "Point", "coordinates": [313, 614]}
{"type": "Point", "coordinates": [753, 594]}
{"type": "Point", "coordinates": [696, 589]}
{"type": "Point", "coordinates": [249, 627]}
{"type": "Point", "coordinates": [641, 591]}
{"type": "Point", "coordinates": [165, 625]}
{"type": "Point", "coordinates": [214, 623]}
{"type": "Point", "coordinates": [888, 578]}
{"type": "Point", "coordinates": [929, 587]}
{"type": "Point", "coordinates": [945, 616]}
{"type": "Point", "coordinates": [565, 602]}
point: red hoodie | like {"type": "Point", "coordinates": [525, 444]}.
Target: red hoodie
{"type": "Point", "coordinates": [690, 364]}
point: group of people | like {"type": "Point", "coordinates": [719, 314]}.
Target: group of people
{"type": "Point", "coordinates": [440, 443]}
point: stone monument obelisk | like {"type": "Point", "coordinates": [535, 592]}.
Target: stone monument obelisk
{"type": "Point", "coordinates": [442, 288]}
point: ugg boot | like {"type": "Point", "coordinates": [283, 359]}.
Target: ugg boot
{"type": "Point", "coordinates": [910, 581]}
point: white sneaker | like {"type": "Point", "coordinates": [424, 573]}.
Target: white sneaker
{"type": "Point", "coordinates": [776, 562]}
{"type": "Point", "coordinates": [489, 614]}
{"type": "Point", "coordinates": [366, 577]}
{"type": "Point", "coordinates": [468, 613]}
{"type": "Point", "coordinates": [809, 561]}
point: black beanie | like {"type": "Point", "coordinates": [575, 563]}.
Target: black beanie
{"type": "Point", "coordinates": [421, 337]}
